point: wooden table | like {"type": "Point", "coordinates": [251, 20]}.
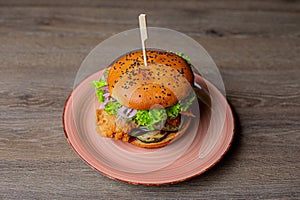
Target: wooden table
{"type": "Point", "coordinates": [255, 44]}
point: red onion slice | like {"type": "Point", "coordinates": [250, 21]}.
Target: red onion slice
{"type": "Point", "coordinates": [106, 95]}
{"type": "Point", "coordinates": [105, 88]}
{"type": "Point", "coordinates": [126, 112]}
{"type": "Point", "coordinates": [132, 113]}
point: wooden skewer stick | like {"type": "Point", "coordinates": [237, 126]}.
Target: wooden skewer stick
{"type": "Point", "coordinates": [144, 35]}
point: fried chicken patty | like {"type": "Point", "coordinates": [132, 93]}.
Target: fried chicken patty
{"type": "Point", "coordinates": [108, 126]}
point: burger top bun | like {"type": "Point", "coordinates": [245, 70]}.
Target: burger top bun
{"type": "Point", "coordinates": [166, 80]}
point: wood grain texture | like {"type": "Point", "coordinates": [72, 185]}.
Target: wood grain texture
{"type": "Point", "coordinates": [256, 45]}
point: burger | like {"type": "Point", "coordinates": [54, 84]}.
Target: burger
{"type": "Point", "coordinates": [146, 106]}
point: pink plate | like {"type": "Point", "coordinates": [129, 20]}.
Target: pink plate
{"type": "Point", "coordinates": [131, 164]}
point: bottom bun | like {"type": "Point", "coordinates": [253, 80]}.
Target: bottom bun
{"type": "Point", "coordinates": [170, 138]}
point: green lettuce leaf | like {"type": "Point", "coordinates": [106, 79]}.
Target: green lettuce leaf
{"type": "Point", "coordinates": [112, 108]}
{"type": "Point", "coordinates": [183, 105]}
{"type": "Point", "coordinates": [186, 103]}
{"type": "Point", "coordinates": [181, 54]}
{"type": "Point", "coordinates": [142, 118]}
{"type": "Point", "coordinates": [99, 94]}
{"type": "Point", "coordinates": [99, 90]}
{"type": "Point", "coordinates": [173, 111]}
{"type": "Point", "coordinates": [99, 84]}
{"type": "Point", "coordinates": [105, 75]}
{"type": "Point", "coordinates": [150, 117]}
{"type": "Point", "coordinates": [156, 116]}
